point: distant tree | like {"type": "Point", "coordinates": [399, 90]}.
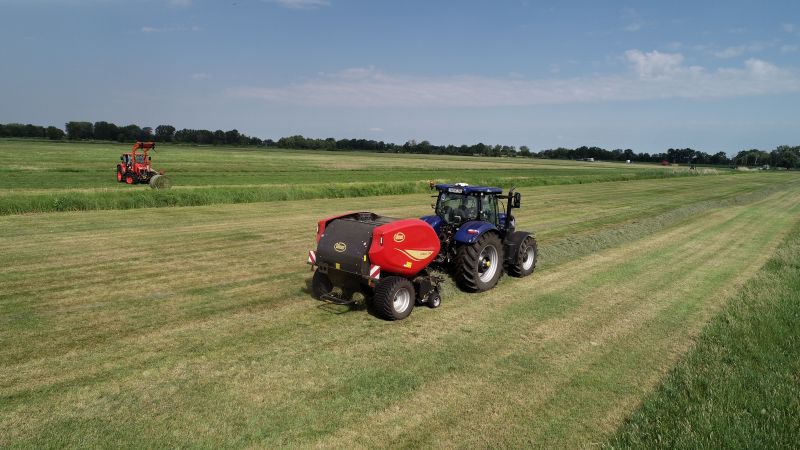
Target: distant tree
{"type": "Point", "coordinates": [719, 158]}
{"type": "Point", "coordinates": [79, 130]}
{"type": "Point", "coordinates": [525, 151]}
{"type": "Point", "coordinates": [788, 157]}
{"type": "Point", "coordinates": [129, 133]}
{"type": "Point", "coordinates": [55, 134]}
{"type": "Point", "coordinates": [232, 137]}
{"type": "Point", "coordinates": [105, 131]}
{"type": "Point", "coordinates": [165, 133]}
{"type": "Point", "coordinates": [219, 137]}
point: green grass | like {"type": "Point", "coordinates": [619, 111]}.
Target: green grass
{"type": "Point", "coordinates": [45, 176]}
{"type": "Point", "coordinates": [193, 326]}
{"type": "Point", "coordinates": [739, 387]}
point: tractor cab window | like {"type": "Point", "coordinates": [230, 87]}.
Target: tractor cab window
{"type": "Point", "coordinates": [126, 158]}
{"type": "Point", "coordinates": [489, 209]}
{"type": "Point", "coordinates": [140, 159]}
{"type": "Point", "coordinates": [457, 208]}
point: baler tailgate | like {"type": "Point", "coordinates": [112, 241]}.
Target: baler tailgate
{"type": "Point", "coordinates": [345, 245]}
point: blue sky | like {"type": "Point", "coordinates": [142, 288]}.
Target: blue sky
{"type": "Point", "coordinates": [714, 76]}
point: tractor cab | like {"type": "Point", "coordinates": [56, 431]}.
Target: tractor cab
{"type": "Point", "coordinates": [461, 203]}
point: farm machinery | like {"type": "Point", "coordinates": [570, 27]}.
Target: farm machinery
{"type": "Point", "coordinates": [134, 167]}
{"type": "Point", "coordinates": [388, 259]}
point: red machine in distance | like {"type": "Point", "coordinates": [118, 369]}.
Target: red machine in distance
{"type": "Point", "coordinates": [134, 167]}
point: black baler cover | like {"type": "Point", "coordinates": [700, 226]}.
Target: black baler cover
{"type": "Point", "coordinates": [346, 242]}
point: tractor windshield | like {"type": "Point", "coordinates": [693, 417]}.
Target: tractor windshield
{"type": "Point", "coordinates": [140, 159]}
{"type": "Point", "coordinates": [457, 208]}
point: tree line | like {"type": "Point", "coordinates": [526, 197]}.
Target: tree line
{"type": "Point", "coordinates": [783, 156]}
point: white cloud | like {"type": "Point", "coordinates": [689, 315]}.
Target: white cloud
{"type": "Point", "coordinates": [789, 27]}
{"type": "Point", "coordinates": [654, 64]}
{"type": "Point", "coordinates": [301, 4]}
{"type": "Point", "coordinates": [761, 68]}
{"type": "Point", "coordinates": [633, 27]}
{"type": "Point", "coordinates": [651, 75]}
{"type": "Point", "coordinates": [789, 48]}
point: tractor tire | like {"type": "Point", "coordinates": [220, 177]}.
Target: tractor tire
{"type": "Point", "coordinates": [525, 262]}
{"type": "Point", "coordinates": [394, 298]}
{"type": "Point", "coordinates": [129, 179]}
{"type": "Point", "coordinates": [320, 285]}
{"type": "Point", "coordinates": [120, 178]}
{"type": "Point", "coordinates": [479, 266]}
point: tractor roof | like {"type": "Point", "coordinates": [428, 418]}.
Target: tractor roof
{"type": "Point", "coordinates": [144, 145]}
{"type": "Point", "coordinates": [467, 189]}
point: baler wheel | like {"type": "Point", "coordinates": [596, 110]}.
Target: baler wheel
{"type": "Point", "coordinates": [320, 285]}
{"type": "Point", "coordinates": [525, 262]}
{"type": "Point", "coordinates": [479, 266]}
{"type": "Point", "coordinates": [394, 298]}
{"type": "Point", "coordinates": [435, 300]}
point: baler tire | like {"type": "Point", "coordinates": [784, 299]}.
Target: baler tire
{"type": "Point", "coordinates": [386, 303]}
{"type": "Point", "coordinates": [468, 258]}
{"type": "Point", "coordinates": [525, 264]}
{"type": "Point", "coordinates": [320, 285]}
{"type": "Point", "coordinates": [435, 300]}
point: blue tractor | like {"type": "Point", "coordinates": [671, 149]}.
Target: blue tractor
{"type": "Point", "coordinates": [479, 240]}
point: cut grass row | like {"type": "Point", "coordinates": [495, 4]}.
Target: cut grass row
{"type": "Point", "coordinates": [739, 387]}
{"type": "Point", "coordinates": [143, 197]}
{"type": "Point", "coordinates": [209, 338]}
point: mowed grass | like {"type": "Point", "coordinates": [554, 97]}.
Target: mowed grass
{"type": "Point", "coordinates": [739, 387]}
{"type": "Point", "coordinates": [194, 326]}
{"type": "Point", "coordinates": [44, 176]}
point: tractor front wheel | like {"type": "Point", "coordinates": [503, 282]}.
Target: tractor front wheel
{"type": "Point", "coordinates": [479, 266]}
{"type": "Point", "coordinates": [525, 261]}
{"type": "Point", "coordinates": [119, 175]}
{"type": "Point", "coordinates": [129, 179]}
{"type": "Point", "coordinates": [394, 298]}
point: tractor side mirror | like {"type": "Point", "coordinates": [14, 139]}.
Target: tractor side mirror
{"type": "Point", "coordinates": [517, 200]}
{"type": "Point", "coordinates": [121, 158]}
{"type": "Point", "coordinates": [149, 158]}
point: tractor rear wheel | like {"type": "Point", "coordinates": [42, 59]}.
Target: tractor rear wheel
{"type": "Point", "coordinates": [479, 266]}
{"type": "Point", "coordinates": [526, 258]}
{"type": "Point", "coordinates": [394, 298]}
{"type": "Point", "coordinates": [320, 285]}
{"type": "Point", "coordinates": [129, 179]}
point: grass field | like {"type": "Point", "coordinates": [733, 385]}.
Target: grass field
{"type": "Point", "coordinates": [46, 176]}
{"type": "Point", "coordinates": [193, 326]}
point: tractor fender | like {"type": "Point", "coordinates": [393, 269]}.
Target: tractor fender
{"type": "Point", "coordinates": [434, 221]}
{"type": "Point", "coordinates": [512, 242]}
{"type": "Point", "coordinates": [470, 231]}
